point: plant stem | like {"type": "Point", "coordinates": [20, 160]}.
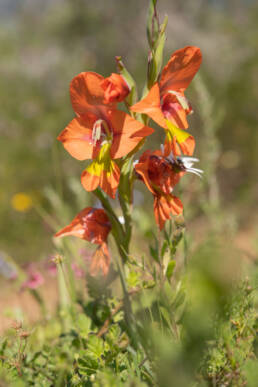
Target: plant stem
{"type": "Point", "coordinates": [127, 209]}
{"type": "Point", "coordinates": [117, 229]}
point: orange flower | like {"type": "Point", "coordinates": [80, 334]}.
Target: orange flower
{"type": "Point", "coordinates": [160, 176]}
{"type": "Point", "coordinates": [166, 101]}
{"type": "Point", "coordinates": [164, 206]}
{"type": "Point", "coordinates": [157, 172]}
{"type": "Point", "coordinates": [99, 132]}
{"type": "Point", "coordinates": [92, 225]}
{"type": "Point", "coordinates": [115, 88]}
{"type": "Point", "coordinates": [161, 170]}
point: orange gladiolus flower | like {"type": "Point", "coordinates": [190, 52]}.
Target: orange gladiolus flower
{"type": "Point", "coordinates": [99, 132]}
{"type": "Point", "coordinates": [161, 170]}
{"type": "Point", "coordinates": [92, 225]}
{"type": "Point", "coordinates": [166, 100]}
{"type": "Point", "coordinates": [115, 88]}
{"type": "Point", "coordinates": [160, 177]}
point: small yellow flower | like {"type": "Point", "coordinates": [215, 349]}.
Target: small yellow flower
{"type": "Point", "coordinates": [21, 202]}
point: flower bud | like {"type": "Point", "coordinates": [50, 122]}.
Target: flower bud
{"type": "Point", "coordinates": [115, 88]}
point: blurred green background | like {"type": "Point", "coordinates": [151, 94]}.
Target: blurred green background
{"type": "Point", "coordinates": [44, 44]}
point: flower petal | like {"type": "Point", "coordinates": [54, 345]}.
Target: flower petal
{"type": "Point", "coordinates": [77, 138]}
{"type": "Point", "coordinates": [174, 111]}
{"type": "Point", "coordinates": [183, 138]}
{"type": "Point", "coordinates": [76, 228]}
{"type": "Point", "coordinates": [110, 179]}
{"type": "Point", "coordinates": [180, 69]}
{"type": "Point", "coordinates": [91, 224]}
{"type": "Point", "coordinates": [150, 105]}
{"type": "Point", "coordinates": [127, 133]}
{"type": "Point", "coordinates": [104, 174]}
{"type": "Point", "coordinates": [164, 207]}
{"type": "Point", "coordinates": [100, 260]}
{"type": "Point", "coordinates": [142, 168]}
{"type": "Point", "coordinates": [89, 180]}
{"type": "Point", "coordinates": [115, 88]}
{"type": "Point", "coordinates": [86, 92]}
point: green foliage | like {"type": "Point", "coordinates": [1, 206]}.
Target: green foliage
{"type": "Point", "coordinates": [230, 358]}
{"type": "Point", "coordinates": [89, 355]}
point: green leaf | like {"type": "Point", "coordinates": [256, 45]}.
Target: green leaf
{"type": "Point", "coordinates": [87, 363]}
{"type": "Point", "coordinates": [165, 315]}
{"type": "Point", "coordinates": [164, 248]}
{"type": "Point", "coordinates": [83, 324]}
{"type": "Point", "coordinates": [133, 279]}
{"type": "Point", "coordinates": [154, 253]}
{"type": "Point", "coordinates": [125, 185]}
{"type": "Point", "coordinates": [170, 269]}
{"type": "Point", "coordinates": [96, 346]}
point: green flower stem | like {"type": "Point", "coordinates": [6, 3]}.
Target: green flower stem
{"type": "Point", "coordinates": [125, 197]}
{"type": "Point", "coordinates": [126, 208]}
{"type": "Point", "coordinates": [69, 271]}
{"type": "Point", "coordinates": [127, 305]}
{"type": "Point", "coordinates": [64, 297]}
{"type": "Point", "coordinates": [120, 239]}
{"type": "Point", "coordinates": [117, 229]}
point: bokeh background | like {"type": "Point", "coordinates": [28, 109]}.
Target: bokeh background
{"type": "Point", "coordinates": [44, 44]}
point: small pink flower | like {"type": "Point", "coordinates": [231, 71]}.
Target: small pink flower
{"type": "Point", "coordinates": [34, 280]}
{"type": "Point", "coordinates": [79, 273]}
{"type": "Point", "coordinates": [51, 267]}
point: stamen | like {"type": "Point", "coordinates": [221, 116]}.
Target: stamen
{"type": "Point", "coordinates": [97, 131]}
{"type": "Point", "coordinates": [181, 99]}
{"type": "Point", "coordinates": [195, 171]}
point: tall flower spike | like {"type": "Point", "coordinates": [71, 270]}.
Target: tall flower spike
{"type": "Point", "coordinates": [166, 101]}
{"type": "Point", "coordinates": [92, 225]}
{"type": "Point", "coordinates": [99, 132]}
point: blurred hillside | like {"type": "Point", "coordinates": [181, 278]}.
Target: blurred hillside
{"type": "Point", "coordinates": [44, 44]}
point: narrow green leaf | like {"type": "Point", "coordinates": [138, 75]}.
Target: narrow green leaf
{"type": "Point", "coordinates": [154, 253]}
{"type": "Point", "coordinates": [164, 248]}
{"type": "Point", "coordinates": [170, 269]}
